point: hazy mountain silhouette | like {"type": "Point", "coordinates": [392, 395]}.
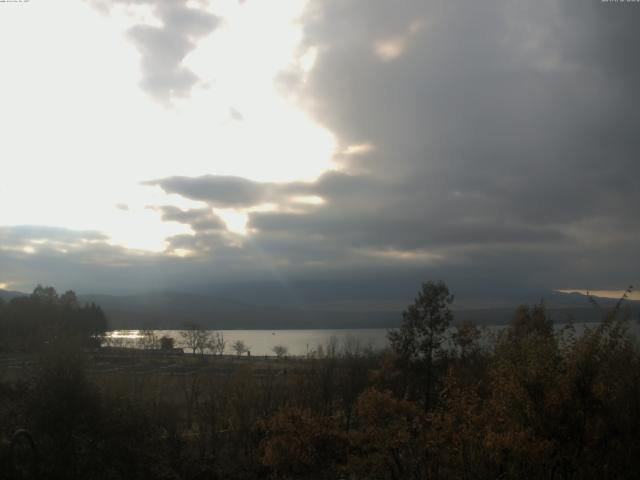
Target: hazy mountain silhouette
{"type": "Point", "coordinates": [170, 310]}
{"type": "Point", "coordinates": [173, 310]}
{"type": "Point", "coordinates": [7, 295]}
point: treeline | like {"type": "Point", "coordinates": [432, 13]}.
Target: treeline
{"type": "Point", "coordinates": [531, 402]}
{"type": "Point", "coordinates": [29, 323]}
{"type": "Point", "coordinates": [528, 402]}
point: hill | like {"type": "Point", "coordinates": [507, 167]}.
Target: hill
{"type": "Point", "coordinates": [172, 310]}
{"type": "Point", "coordinates": [7, 295]}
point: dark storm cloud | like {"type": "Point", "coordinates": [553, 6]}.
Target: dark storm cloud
{"type": "Point", "coordinates": [400, 232]}
{"type": "Point", "coordinates": [163, 48]}
{"type": "Point", "coordinates": [504, 135]}
{"type": "Point", "coordinates": [497, 126]}
{"type": "Point", "coordinates": [488, 97]}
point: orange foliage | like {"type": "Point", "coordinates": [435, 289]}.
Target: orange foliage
{"type": "Point", "coordinates": [390, 441]}
{"type": "Point", "coordinates": [300, 443]}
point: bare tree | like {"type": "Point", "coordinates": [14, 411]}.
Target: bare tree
{"type": "Point", "coordinates": [148, 340]}
{"type": "Point", "coordinates": [196, 337]}
{"type": "Point", "coordinates": [280, 351]}
{"type": "Point", "coordinates": [217, 343]}
{"type": "Point", "coordinates": [332, 346]}
{"type": "Point", "coordinates": [239, 347]}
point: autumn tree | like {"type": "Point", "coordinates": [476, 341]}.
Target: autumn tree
{"type": "Point", "coordinates": [458, 425]}
{"type": "Point", "coordinates": [300, 444]}
{"type": "Point", "coordinates": [532, 320]}
{"type": "Point", "coordinates": [390, 440]}
{"type": "Point", "coordinates": [466, 337]}
{"type": "Point", "coordinates": [419, 340]}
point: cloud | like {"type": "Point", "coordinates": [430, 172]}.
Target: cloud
{"type": "Point", "coordinates": [164, 47]}
{"type": "Point", "coordinates": [502, 154]}
{"type": "Point", "coordinates": [220, 191]}
{"type": "Point", "coordinates": [33, 254]}
{"type": "Point", "coordinates": [237, 192]}
{"type": "Point", "coordinates": [497, 128]}
{"type": "Point", "coordinates": [390, 48]}
{"type": "Point", "coordinates": [17, 236]}
{"type": "Point", "coordinates": [235, 115]}
{"type": "Point", "coordinates": [495, 147]}
{"type": "Point", "coordinates": [200, 219]}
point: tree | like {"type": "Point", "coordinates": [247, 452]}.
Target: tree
{"type": "Point", "coordinates": [45, 295]}
{"type": "Point", "coordinates": [611, 314]}
{"type": "Point", "coordinates": [217, 344]}
{"type": "Point", "coordinates": [300, 444]}
{"type": "Point", "coordinates": [466, 338]}
{"type": "Point", "coordinates": [352, 375]}
{"type": "Point", "coordinates": [166, 343]}
{"type": "Point", "coordinates": [196, 338]}
{"type": "Point", "coordinates": [530, 321]}
{"type": "Point", "coordinates": [69, 299]}
{"type": "Point", "coordinates": [63, 403]}
{"type": "Point", "coordinates": [280, 351]}
{"type": "Point", "coordinates": [239, 347]}
{"type": "Point", "coordinates": [148, 340]}
{"type": "Point", "coordinates": [419, 339]}
{"type": "Point", "coordinates": [391, 439]}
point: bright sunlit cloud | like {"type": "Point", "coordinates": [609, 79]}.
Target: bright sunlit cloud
{"type": "Point", "coordinates": [235, 221]}
{"type": "Point", "coordinates": [634, 295]}
{"type": "Point", "coordinates": [80, 134]}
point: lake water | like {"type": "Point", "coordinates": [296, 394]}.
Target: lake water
{"type": "Point", "coordinates": [261, 342]}
{"type": "Point", "coordinates": [299, 342]}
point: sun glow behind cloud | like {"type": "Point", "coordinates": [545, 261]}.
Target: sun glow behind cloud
{"type": "Point", "coordinates": [80, 135]}
{"type": "Point", "coordinates": [390, 48]}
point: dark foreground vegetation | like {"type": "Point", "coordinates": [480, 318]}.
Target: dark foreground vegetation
{"type": "Point", "coordinates": [529, 402]}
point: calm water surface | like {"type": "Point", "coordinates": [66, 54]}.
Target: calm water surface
{"type": "Point", "coordinates": [301, 342]}
{"type": "Point", "coordinates": [261, 342]}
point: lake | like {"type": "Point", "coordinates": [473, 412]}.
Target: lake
{"type": "Point", "coordinates": [299, 342]}
{"type": "Point", "coordinates": [261, 342]}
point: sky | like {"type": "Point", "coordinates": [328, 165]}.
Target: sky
{"type": "Point", "coordinates": [333, 152]}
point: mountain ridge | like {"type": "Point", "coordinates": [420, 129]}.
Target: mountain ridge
{"type": "Point", "coordinates": [173, 310]}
